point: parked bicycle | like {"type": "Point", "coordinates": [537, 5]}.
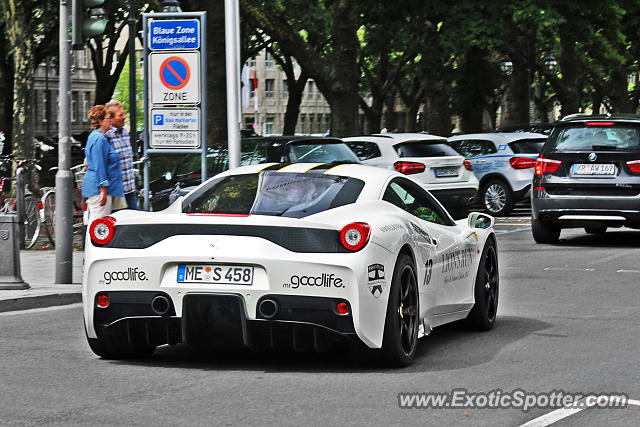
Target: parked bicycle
{"type": "Point", "coordinates": [48, 205]}
{"type": "Point", "coordinates": [31, 220]}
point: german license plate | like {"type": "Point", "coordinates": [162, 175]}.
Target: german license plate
{"type": "Point", "coordinates": [215, 274]}
{"type": "Point", "coordinates": [593, 169]}
{"type": "Point", "coordinates": [442, 172]}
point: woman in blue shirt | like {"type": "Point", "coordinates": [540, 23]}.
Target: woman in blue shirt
{"type": "Point", "coordinates": [103, 180]}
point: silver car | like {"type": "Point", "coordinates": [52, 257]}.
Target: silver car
{"type": "Point", "coordinates": [504, 163]}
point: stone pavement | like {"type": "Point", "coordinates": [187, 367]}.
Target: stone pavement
{"type": "Point", "coordinates": [38, 270]}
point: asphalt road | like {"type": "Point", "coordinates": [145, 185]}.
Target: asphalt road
{"type": "Point", "coordinates": [568, 319]}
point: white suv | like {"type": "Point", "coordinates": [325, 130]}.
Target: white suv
{"type": "Point", "coordinates": [503, 162]}
{"type": "Point", "coordinates": [442, 171]}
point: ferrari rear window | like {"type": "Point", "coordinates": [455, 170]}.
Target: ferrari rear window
{"type": "Point", "coordinates": [424, 149]}
{"type": "Point", "coordinates": [274, 193]}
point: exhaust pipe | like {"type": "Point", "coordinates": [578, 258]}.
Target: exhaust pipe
{"type": "Point", "coordinates": [160, 305]}
{"type": "Point", "coordinates": [268, 308]}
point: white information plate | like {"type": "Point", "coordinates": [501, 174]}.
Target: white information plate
{"type": "Point", "coordinates": [175, 139]}
{"type": "Point", "coordinates": [593, 169]}
{"type": "Point", "coordinates": [179, 119]}
{"type": "Point", "coordinates": [444, 172]}
{"type": "Point", "coordinates": [215, 274]}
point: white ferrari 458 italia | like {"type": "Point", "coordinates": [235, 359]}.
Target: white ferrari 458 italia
{"type": "Point", "coordinates": [299, 256]}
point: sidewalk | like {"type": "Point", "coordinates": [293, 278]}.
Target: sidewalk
{"type": "Point", "coordinates": [38, 270]}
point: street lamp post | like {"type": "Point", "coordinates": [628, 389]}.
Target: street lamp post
{"type": "Point", "coordinates": [133, 130]}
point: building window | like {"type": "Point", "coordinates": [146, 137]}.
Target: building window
{"type": "Point", "coordinates": [74, 106]}
{"type": "Point", "coordinates": [310, 89]}
{"type": "Point", "coordinates": [268, 60]}
{"type": "Point", "coordinates": [82, 59]}
{"type": "Point", "coordinates": [312, 122]}
{"type": "Point", "coordinates": [45, 100]}
{"type": "Point", "coordinates": [251, 62]}
{"type": "Point", "coordinates": [85, 106]}
{"type": "Point", "coordinates": [303, 123]}
{"type": "Point", "coordinates": [285, 89]}
{"type": "Point", "coordinates": [268, 126]}
{"type": "Point", "coordinates": [252, 85]}
{"type": "Point", "coordinates": [268, 88]}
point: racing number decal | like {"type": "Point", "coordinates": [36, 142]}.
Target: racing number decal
{"type": "Point", "coordinates": [427, 276]}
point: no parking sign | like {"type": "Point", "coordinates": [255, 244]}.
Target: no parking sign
{"type": "Point", "coordinates": [175, 78]}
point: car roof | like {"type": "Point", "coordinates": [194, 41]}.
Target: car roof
{"type": "Point", "coordinates": [579, 117]}
{"type": "Point", "coordinates": [502, 137]}
{"type": "Point", "coordinates": [396, 138]}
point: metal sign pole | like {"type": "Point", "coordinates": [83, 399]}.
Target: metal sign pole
{"type": "Point", "coordinates": [175, 87]}
{"type": "Point", "coordinates": [64, 178]}
{"type": "Point", "coordinates": [231, 18]}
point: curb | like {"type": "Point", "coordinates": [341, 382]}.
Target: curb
{"type": "Point", "coordinates": [40, 301]}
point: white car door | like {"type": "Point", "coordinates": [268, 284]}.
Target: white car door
{"type": "Point", "coordinates": [447, 272]}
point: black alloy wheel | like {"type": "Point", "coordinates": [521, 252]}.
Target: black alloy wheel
{"type": "Point", "coordinates": [402, 321]}
{"type": "Point", "coordinates": [486, 291]}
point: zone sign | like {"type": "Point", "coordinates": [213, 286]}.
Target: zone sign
{"type": "Point", "coordinates": [175, 78]}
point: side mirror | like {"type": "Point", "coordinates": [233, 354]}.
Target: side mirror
{"type": "Point", "coordinates": [168, 175]}
{"type": "Point", "coordinates": [480, 220]}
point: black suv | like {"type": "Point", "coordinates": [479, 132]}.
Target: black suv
{"type": "Point", "coordinates": [277, 149]}
{"type": "Point", "coordinates": [587, 175]}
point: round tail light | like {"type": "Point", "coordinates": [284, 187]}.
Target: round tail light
{"type": "Point", "coordinates": [102, 230]}
{"type": "Point", "coordinates": [355, 236]}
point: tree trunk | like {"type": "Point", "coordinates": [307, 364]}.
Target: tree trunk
{"type": "Point", "coordinates": [343, 97]}
{"type": "Point", "coordinates": [438, 112]}
{"type": "Point", "coordinates": [570, 93]}
{"type": "Point", "coordinates": [516, 96]}
{"type": "Point", "coordinates": [295, 89]}
{"type": "Point", "coordinates": [17, 18]}
{"type": "Point", "coordinates": [620, 99]}
{"type": "Point", "coordinates": [6, 86]}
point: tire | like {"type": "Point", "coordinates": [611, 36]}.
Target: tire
{"type": "Point", "coordinates": [545, 231]}
{"type": "Point", "coordinates": [31, 222]}
{"type": "Point", "coordinates": [486, 290]}
{"type": "Point", "coordinates": [497, 198]}
{"type": "Point", "coordinates": [114, 347]}
{"type": "Point", "coordinates": [596, 229]}
{"type": "Point", "coordinates": [400, 338]}
{"type": "Point", "coordinates": [49, 216]}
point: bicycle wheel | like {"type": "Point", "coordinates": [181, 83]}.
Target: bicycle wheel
{"type": "Point", "coordinates": [49, 215]}
{"type": "Point", "coordinates": [31, 221]}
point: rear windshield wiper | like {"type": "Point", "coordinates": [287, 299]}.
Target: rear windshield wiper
{"type": "Point", "coordinates": [604, 147]}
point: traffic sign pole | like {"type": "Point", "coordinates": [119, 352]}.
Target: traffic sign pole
{"type": "Point", "coordinates": [175, 87]}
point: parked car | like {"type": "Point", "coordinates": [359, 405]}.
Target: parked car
{"type": "Point", "coordinates": [438, 167]}
{"type": "Point", "coordinates": [544, 128]}
{"type": "Point", "coordinates": [503, 162]}
{"type": "Point", "coordinates": [587, 175]}
{"type": "Point", "coordinates": [282, 149]}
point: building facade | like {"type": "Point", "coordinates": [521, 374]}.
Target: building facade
{"type": "Point", "coordinates": [272, 96]}
{"type": "Point", "coordinates": [46, 97]}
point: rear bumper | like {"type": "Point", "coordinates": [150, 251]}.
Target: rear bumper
{"type": "Point", "coordinates": [220, 320]}
{"type": "Point", "coordinates": [574, 211]}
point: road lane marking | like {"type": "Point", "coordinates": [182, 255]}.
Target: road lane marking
{"type": "Point", "coordinates": [40, 310]}
{"type": "Point", "coordinates": [559, 414]}
{"type": "Point", "coordinates": [513, 231]}
{"type": "Point", "coordinates": [627, 271]}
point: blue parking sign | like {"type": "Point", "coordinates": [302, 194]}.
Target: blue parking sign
{"type": "Point", "coordinates": [158, 119]}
